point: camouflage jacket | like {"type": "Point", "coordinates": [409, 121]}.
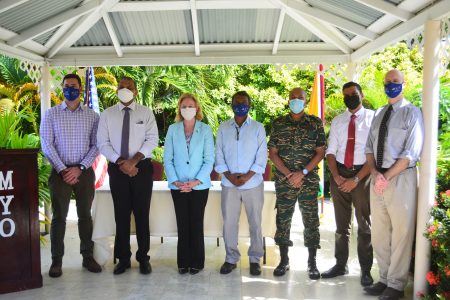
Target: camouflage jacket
{"type": "Point", "coordinates": [296, 141]}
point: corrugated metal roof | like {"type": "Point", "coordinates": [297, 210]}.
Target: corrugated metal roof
{"type": "Point", "coordinates": [294, 32]}
{"type": "Point", "coordinates": [348, 9]}
{"type": "Point", "coordinates": [33, 12]}
{"type": "Point", "coordinates": [153, 28]}
{"type": "Point", "coordinates": [396, 2]}
{"type": "Point", "coordinates": [237, 26]}
{"type": "Point", "coordinates": [43, 38]}
{"type": "Point", "coordinates": [96, 36]}
{"type": "Point", "coordinates": [349, 35]}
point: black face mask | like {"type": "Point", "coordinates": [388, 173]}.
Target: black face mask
{"type": "Point", "coordinates": [352, 101]}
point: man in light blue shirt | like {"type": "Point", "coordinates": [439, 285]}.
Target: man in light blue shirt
{"type": "Point", "coordinates": [241, 158]}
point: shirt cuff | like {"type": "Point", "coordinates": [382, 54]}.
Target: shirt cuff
{"type": "Point", "coordinates": [257, 169]}
{"type": "Point", "coordinates": [60, 167]}
{"type": "Point", "coordinates": [221, 169]}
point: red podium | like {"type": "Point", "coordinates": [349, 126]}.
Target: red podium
{"type": "Point", "coordinates": [20, 259]}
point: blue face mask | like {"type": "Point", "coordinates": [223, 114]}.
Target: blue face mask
{"type": "Point", "coordinates": [241, 110]}
{"type": "Point", "coordinates": [392, 89]}
{"type": "Point", "coordinates": [297, 105]}
{"type": "Point", "coordinates": [71, 93]}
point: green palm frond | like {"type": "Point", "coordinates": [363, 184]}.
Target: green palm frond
{"type": "Point", "coordinates": [9, 92]}
{"type": "Point", "coordinates": [10, 71]}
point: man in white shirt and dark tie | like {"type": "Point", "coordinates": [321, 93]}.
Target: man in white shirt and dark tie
{"type": "Point", "coordinates": [127, 134]}
{"type": "Point", "coordinates": [349, 182]}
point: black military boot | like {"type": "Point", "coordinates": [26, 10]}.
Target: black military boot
{"type": "Point", "coordinates": [284, 263]}
{"type": "Point", "coordinates": [312, 267]}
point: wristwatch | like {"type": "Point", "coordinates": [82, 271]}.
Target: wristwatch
{"type": "Point", "coordinates": [82, 168]}
{"type": "Point", "coordinates": [305, 171]}
{"type": "Point", "coordinates": [356, 179]}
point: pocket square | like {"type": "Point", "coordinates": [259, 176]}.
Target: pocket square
{"type": "Point", "coordinates": [140, 122]}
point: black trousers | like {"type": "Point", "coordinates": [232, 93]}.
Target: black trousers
{"type": "Point", "coordinates": [342, 203]}
{"type": "Point", "coordinates": [60, 193]}
{"type": "Point", "coordinates": [190, 210]}
{"type": "Point", "coordinates": [131, 194]}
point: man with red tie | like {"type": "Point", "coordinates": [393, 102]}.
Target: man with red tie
{"type": "Point", "coordinates": [347, 162]}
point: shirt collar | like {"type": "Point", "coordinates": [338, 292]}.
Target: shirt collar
{"type": "Point", "coordinates": [132, 106]}
{"type": "Point", "coordinates": [63, 106]}
{"type": "Point", "coordinates": [399, 104]}
{"type": "Point", "coordinates": [247, 121]}
{"type": "Point", "coordinates": [357, 114]}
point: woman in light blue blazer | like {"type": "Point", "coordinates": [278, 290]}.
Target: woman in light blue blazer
{"type": "Point", "coordinates": [188, 160]}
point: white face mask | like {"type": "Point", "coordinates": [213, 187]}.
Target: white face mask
{"type": "Point", "coordinates": [188, 113]}
{"type": "Point", "coordinates": [125, 95]}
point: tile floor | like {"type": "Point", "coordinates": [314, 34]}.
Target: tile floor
{"type": "Point", "coordinates": [166, 283]}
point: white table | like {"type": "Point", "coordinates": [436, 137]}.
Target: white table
{"type": "Point", "coordinates": [162, 216]}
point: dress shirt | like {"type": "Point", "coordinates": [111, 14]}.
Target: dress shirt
{"type": "Point", "coordinates": [68, 137]}
{"type": "Point", "coordinates": [337, 140]}
{"type": "Point", "coordinates": [143, 131]}
{"type": "Point", "coordinates": [404, 137]}
{"type": "Point", "coordinates": [239, 150]}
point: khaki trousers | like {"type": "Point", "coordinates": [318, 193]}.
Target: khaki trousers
{"type": "Point", "coordinates": [393, 227]}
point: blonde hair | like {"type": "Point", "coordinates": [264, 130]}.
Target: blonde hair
{"type": "Point", "coordinates": [198, 115]}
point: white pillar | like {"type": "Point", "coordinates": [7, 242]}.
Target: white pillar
{"type": "Point", "coordinates": [427, 179]}
{"type": "Point", "coordinates": [45, 89]}
{"type": "Point", "coordinates": [45, 93]}
{"type": "Point", "coordinates": [350, 72]}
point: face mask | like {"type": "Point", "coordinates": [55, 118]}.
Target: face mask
{"type": "Point", "coordinates": [392, 90]}
{"type": "Point", "coordinates": [71, 93]}
{"type": "Point", "coordinates": [241, 110]}
{"type": "Point", "coordinates": [297, 105]}
{"type": "Point", "coordinates": [188, 113]}
{"type": "Point", "coordinates": [351, 101]}
{"type": "Point", "coordinates": [125, 95]}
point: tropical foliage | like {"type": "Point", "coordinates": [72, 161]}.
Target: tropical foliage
{"type": "Point", "coordinates": [438, 232]}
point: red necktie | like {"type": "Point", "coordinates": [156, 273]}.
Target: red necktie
{"type": "Point", "coordinates": [350, 149]}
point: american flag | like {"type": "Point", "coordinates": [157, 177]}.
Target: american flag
{"type": "Point", "coordinates": [100, 165]}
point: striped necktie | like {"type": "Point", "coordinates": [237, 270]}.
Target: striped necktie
{"type": "Point", "coordinates": [381, 136]}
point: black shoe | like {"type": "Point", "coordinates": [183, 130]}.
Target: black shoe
{"type": "Point", "coordinates": [255, 269]}
{"type": "Point", "coordinates": [366, 279]}
{"type": "Point", "coordinates": [91, 265]}
{"type": "Point", "coordinates": [55, 268]}
{"type": "Point", "coordinates": [391, 294]}
{"type": "Point", "coordinates": [375, 289]}
{"type": "Point", "coordinates": [313, 272]}
{"type": "Point", "coordinates": [335, 271]}
{"type": "Point", "coordinates": [281, 269]}
{"type": "Point", "coordinates": [145, 267]}
{"type": "Point", "coordinates": [227, 268]}
{"type": "Point", "coordinates": [183, 270]}
{"type": "Point", "coordinates": [121, 267]}
{"type": "Point", "coordinates": [194, 271]}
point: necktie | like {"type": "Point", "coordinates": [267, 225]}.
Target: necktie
{"type": "Point", "coordinates": [381, 136]}
{"type": "Point", "coordinates": [350, 149]}
{"type": "Point", "coordinates": [125, 133]}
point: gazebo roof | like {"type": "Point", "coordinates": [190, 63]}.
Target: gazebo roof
{"type": "Point", "coordinates": [162, 32]}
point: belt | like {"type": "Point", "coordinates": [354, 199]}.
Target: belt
{"type": "Point", "coordinates": [142, 160]}
{"type": "Point", "coordinates": [384, 170]}
{"type": "Point", "coordinates": [352, 168]}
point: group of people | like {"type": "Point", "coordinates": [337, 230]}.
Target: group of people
{"type": "Point", "coordinates": [371, 155]}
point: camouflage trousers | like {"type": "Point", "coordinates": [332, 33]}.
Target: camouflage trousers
{"type": "Point", "coordinates": [287, 197]}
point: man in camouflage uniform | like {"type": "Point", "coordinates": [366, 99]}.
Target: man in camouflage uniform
{"type": "Point", "coordinates": [296, 146]}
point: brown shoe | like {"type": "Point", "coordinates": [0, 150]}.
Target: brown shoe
{"type": "Point", "coordinates": [91, 265]}
{"type": "Point", "coordinates": [55, 268]}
